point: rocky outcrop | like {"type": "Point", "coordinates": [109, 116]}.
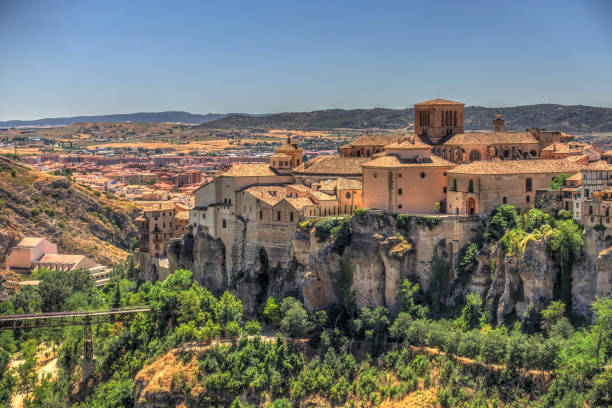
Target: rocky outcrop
{"type": "Point", "coordinates": [591, 275]}
{"type": "Point", "coordinates": [521, 280]}
{"type": "Point", "coordinates": [383, 249]}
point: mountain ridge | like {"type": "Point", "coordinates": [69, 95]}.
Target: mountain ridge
{"type": "Point", "coordinates": [567, 118]}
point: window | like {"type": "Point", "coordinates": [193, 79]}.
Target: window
{"type": "Point", "coordinates": [586, 193]}
{"type": "Point", "coordinates": [592, 219]}
{"type": "Point", "coordinates": [527, 198]}
{"type": "Point", "coordinates": [229, 201]}
{"type": "Point", "coordinates": [528, 184]}
{"type": "Point", "coordinates": [444, 190]}
{"type": "Point", "coordinates": [399, 174]}
{"type": "Point", "coordinates": [590, 209]}
{"type": "Point", "coordinates": [348, 195]}
{"type": "Point", "coordinates": [224, 224]}
{"type": "Point", "coordinates": [399, 206]}
{"type": "Point", "coordinates": [260, 214]}
{"type": "Point", "coordinates": [399, 191]}
{"type": "Point", "coordinates": [375, 175]}
{"type": "Point", "coordinates": [471, 186]}
{"type": "Point", "coordinates": [455, 185]}
{"type": "Point", "coordinates": [504, 200]}
{"type": "Point", "coordinates": [422, 174]}
{"type": "Point", "coordinates": [291, 216]}
{"type": "Point", "coordinates": [278, 216]}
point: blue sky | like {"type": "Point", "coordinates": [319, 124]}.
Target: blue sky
{"type": "Point", "coordinates": [66, 58]}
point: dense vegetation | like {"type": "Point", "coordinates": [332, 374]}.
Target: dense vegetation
{"type": "Point", "coordinates": [354, 357]}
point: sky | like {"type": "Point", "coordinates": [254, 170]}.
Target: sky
{"type": "Point", "coordinates": [68, 58]}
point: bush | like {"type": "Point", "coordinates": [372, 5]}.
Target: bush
{"type": "Point", "coordinates": [402, 222]}
{"type": "Point", "coordinates": [253, 328]}
{"type": "Point", "coordinates": [13, 173]}
{"type": "Point", "coordinates": [360, 212]}
{"type": "Point", "coordinates": [430, 222]}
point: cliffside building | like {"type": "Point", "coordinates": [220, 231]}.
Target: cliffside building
{"type": "Point", "coordinates": [480, 187]}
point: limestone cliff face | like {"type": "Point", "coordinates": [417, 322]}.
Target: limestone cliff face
{"type": "Point", "coordinates": [380, 254]}
{"type": "Point", "coordinates": [370, 268]}
{"type": "Point", "coordinates": [592, 274]}
{"type": "Point", "coordinates": [521, 280]}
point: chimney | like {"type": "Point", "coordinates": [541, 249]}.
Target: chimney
{"type": "Point", "coordinates": [498, 123]}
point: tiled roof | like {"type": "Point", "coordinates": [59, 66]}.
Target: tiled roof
{"type": "Point", "coordinates": [247, 170]}
{"type": "Point", "coordinates": [374, 140]}
{"type": "Point", "coordinates": [29, 242]}
{"type": "Point", "coordinates": [321, 196]}
{"type": "Point", "coordinates": [438, 102]}
{"type": "Point", "coordinates": [408, 143]}
{"type": "Point", "coordinates": [599, 165]}
{"type": "Point", "coordinates": [164, 206]}
{"type": "Point", "coordinates": [575, 177]}
{"type": "Point", "coordinates": [491, 138]}
{"type": "Point", "coordinates": [332, 165]}
{"type": "Point", "coordinates": [340, 183]}
{"type": "Point", "coordinates": [270, 195]}
{"type": "Point", "coordinates": [517, 167]}
{"type": "Point", "coordinates": [299, 203]}
{"type": "Point", "coordinates": [299, 187]}
{"type": "Point", "coordinates": [557, 147]}
{"type": "Point", "coordinates": [286, 147]}
{"type": "Point", "coordinates": [281, 155]}
{"type": "Point", "coordinates": [182, 215]}
{"type": "Point", "coordinates": [61, 259]}
{"type": "Point", "coordinates": [391, 161]}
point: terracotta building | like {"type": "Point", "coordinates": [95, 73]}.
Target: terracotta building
{"type": "Point", "coordinates": [480, 187]}
{"type": "Point", "coordinates": [437, 119]}
{"type": "Point", "coordinates": [406, 178]}
{"type": "Point", "coordinates": [367, 145]}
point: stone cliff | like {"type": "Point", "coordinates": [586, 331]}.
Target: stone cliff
{"type": "Point", "coordinates": [382, 250]}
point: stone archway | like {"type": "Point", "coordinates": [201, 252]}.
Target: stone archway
{"type": "Point", "coordinates": [471, 206]}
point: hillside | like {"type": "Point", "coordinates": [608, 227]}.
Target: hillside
{"type": "Point", "coordinates": [566, 118]}
{"type": "Point", "coordinates": [77, 220]}
{"type": "Point", "coordinates": [158, 117]}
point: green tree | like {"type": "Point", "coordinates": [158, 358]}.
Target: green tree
{"type": "Point", "coordinates": [272, 312]}
{"type": "Point", "coordinates": [228, 310]}
{"type": "Point", "coordinates": [566, 239]}
{"type": "Point", "coordinates": [407, 300]}
{"type": "Point", "coordinates": [471, 313]}
{"type": "Point", "coordinates": [373, 325]}
{"type": "Point", "coordinates": [295, 322]}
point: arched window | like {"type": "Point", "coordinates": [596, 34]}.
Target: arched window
{"type": "Point", "coordinates": [348, 195]}
{"type": "Point", "coordinates": [474, 155]}
{"type": "Point", "coordinates": [528, 184]}
{"type": "Point", "coordinates": [471, 187]}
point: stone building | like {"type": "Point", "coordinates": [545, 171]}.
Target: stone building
{"type": "Point", "coordinates": [407, 178]}
{"type": "Point", "coordinates": [157, 225]}
{"type": "Point", "coordinates": [596, 213]}
{"type": "Point", "coordinates": [480, 187]}
{"type": "Point", "coordinates": [367, 145]}
{"type": "Point", "coordinates": [325, 167]}
{"type": "Point", "coordinates": [564, 150]}
{"type": "Point", "coordinates": [438, 119]}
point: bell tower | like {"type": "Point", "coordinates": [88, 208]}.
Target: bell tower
{"type": "Point", "coordinates": [498, 123]}
{"type": "Point", "coordinates": [438, 118]}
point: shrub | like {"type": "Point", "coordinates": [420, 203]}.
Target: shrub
{"type": "Point", "coordinates": [253, 328]}
{"type": "Point", "coordinates": [558, 182]}
{"type": "Point", "coordinates": [467, 259]}
{"type": "Point", "coordinates": [430, 222]}
{"type": "Point", "coordinates": [13, 173]}
{"type": "Point", "coordinates": [402, 222]}
{"type": "Point", "coordinates": [360, 212]}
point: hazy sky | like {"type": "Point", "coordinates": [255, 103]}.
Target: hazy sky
{"type": "Point", "coordinates": [66, 58]}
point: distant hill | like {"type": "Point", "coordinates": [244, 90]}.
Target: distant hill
{"type": "Point", "coordinates": [170, 116]}
{"type": "Point", "coordinates": [566, 118]}
{"type": "Point", "coordinates": [78, 220]}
